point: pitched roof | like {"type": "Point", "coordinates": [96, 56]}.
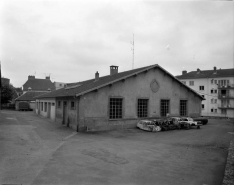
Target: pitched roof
{"type": "Point", "coordinates": [208, 74]}
{"type": "Point", "coordinates": [80, 88]}
{"type": "Point", "coordinates": [38, 85]}
{"type": "Point", "coordinates": [29, 96]}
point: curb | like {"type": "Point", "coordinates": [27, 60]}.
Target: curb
{"type": "Point", "coordinates": [229, 170]}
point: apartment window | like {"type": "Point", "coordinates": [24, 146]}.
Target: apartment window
{"type": "Point", "coordinates": [215, 100]}
{"type": "Point", "coordinates": [59, 103]}
{"type": "Point", "coordinates": [212, 100]}
{"type": "Point", "coordinates": [191, 83]}
{"type": "Point", "coordinates": [45, 106]}
{"type": "Point", "coordinates": [72, 105]}
{"type": "Point", "coordinates": [203, 106]}
{"type": "Point", "coordinates": [184, 82]}
{"type": "Point", "coordinates": [215, 81]}
{"type": "Point", "coordinates": [211, 91]}
{"type": "Point", "coordinates": [183, 107]}
{"type": "Point", "coordinates": [116, 108]}
{"type": "Point", "coordinates": [164, 107]}
{"type": "Point", "coordinates": [215, 110]}
{"type": "Point", "coordinates": [142, 108]}
{"type": "Point", "coordinates": [201, 88]}
{"type": "Point", "coordinates": [212, 81]}
{"type": "Point", "coordinates": [211, 110]}
{"type": "Point", "coordinates": [215, 91]}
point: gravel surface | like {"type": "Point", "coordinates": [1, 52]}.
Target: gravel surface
{"type": "Point", "coordinates": [229, 170]}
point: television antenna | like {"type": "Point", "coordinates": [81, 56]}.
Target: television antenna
{"type": "Point", "coordinates": [133, 52]}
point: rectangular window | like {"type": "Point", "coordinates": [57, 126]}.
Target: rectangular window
{"type": "Point", "coordinates": [212, 100]}
{"type": "Point", "coordinates": [212, 81]}
{"type": "Point", "coordinates": [211, 110]}
{"type": "Point", "coordinates": [59, 103]}
{"type": "Point", "coordinates": [215, 100]}
{"type": "Point", "coordinates": [203, 106]}
{"type": "Point", "coordinates": [215, 91]}
{"type": "Point", "coordinates": [164, 109]}
{"type": "Point", "coordinates": [116, 108]}
{"type": "Point", "coordinates": [73, 105]}
{"type": "Point", "coordinates": [45, 106]}
{"type": "Point", "coordinates": [191, 83]}
{"type": "Point", "coordinates": [183, 107]}
{"type": "Point", "coordinates": [201, 88]}
{"type": "Point", "coordinates": [215, 82]}
{"type": "Point", "coordinates": [215, 110]}
{"type": "Point", "coordinates": [211, 91]}
{"type": "Point", "coordinates": [142, 108]}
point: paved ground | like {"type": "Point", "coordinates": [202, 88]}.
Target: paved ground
{"type": "Point", "coordinates": [34, 150]}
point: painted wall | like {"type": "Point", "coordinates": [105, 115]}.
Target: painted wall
{"type": "Point", "coordinates": [49, 113]}
{"type": "Point", "coordinates": [93, 107]}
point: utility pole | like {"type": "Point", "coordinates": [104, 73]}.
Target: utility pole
{"type": "Point", "coordinates": [133, 52]}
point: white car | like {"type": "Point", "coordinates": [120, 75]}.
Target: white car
{"type": "Point", "coordinates": [148, 125]}
{"type": "Point", "coordinates": [190, 122]}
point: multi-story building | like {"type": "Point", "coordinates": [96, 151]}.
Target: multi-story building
{"type": "Point", "coordinates": [216, 86]}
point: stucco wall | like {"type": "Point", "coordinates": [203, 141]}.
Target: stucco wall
{"type": "Point", "coordinates": [93, 107]}
{"type": "Point", "coordinates": [43, 112]}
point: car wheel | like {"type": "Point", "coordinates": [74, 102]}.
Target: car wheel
{"type": "Point", "coordinates": [158, 128]}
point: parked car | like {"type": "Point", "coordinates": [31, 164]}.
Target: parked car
{"type": "Point", "coordinates": [148, 125]}
{"type": "Point", "coordinates": [190, 122]}
{"type": "Point", "coordinates": [179, 123]}
{"type": "Point", "coordinates": [203, 120]}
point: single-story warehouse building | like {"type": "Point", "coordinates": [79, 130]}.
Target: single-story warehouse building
{"type": "Point", "coordinates": [118, 100]}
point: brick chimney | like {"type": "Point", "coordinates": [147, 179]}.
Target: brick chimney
{"type": "Point", "coordinates": [198, 70]}
{"type": "Point", "coordinates": [113, 70]}
{"type": "Point", "coordinates": [96, 76]}
{"type": "Point", "coordinates": [215, 70]}
{"type": "Point", "coordinates": [31, 77]}
{"type": "Point", "coordinates": [47, 78]}
{"type": "Point", "coordinates": [184, 72]}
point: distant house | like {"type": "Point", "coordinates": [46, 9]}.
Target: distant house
{"type": "Point", "coordinates": [59, 85]}
{"type": "Point", "coordinates": [34, 87]}
{"type": "Point", "coordinates": [38, 85]}
{"type": "Point", "coordinates": [119, 100]}
{"type": "Point", "coordinates": [216, 86]}
{"type": "Point", "coordinates": [29, 98]}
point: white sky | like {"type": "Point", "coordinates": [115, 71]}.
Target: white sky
{"type": "Point", "coordinates": [71, 40]}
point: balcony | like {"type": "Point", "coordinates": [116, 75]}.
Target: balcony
{"type": "Point", "coordinates": [225, 96]}
{"type": "Point", "coordinates": [225, 106]}
{"type": "Point", "coordinates": [229, 86]}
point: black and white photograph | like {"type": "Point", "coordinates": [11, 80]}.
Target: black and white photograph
{"type": "Point", "coordinates": [124, 92]}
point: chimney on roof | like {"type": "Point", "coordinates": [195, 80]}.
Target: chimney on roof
{"type": "Point", "coordinates": [184, 72]}
{"type": "Point", "coordinates": [198, 70]}
{"type": "Point", "coordinates": [31, 77]}
{"type": "Point", "coordinates": [96, 76]}
{"type": "Point", "coordinates": [113, 70]}
{"type": "Point", "coordinates": [47, 78]}
{"type": "Point", "coordinates": [215, 70]}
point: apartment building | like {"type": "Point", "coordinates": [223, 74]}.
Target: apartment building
{"type": "Point", "coordinates": [216, 86]}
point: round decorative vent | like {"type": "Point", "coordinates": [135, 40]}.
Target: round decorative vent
{"type": "Point", "coordinates": [154, 85]}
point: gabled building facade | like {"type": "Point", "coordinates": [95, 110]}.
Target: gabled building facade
{"type": "Point", "coordinates": [216, 86]}
{"type": "Point", "coordinates": [119, 100]}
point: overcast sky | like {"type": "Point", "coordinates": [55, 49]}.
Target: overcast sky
{"type": "Point", "coordinates": [71, 40]}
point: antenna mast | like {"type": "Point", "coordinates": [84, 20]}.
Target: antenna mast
{"type": "Point", "coordinates": [133, 52]}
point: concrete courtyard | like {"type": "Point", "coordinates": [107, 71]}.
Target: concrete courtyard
{"type": "Point", "coordinates": [35, 150]}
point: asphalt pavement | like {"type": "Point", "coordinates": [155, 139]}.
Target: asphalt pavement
{"type": "Point", "coordinates": [35, 150]}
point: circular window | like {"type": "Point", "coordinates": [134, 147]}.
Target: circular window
{"type": "Point", "coordinates": [154, 85]}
